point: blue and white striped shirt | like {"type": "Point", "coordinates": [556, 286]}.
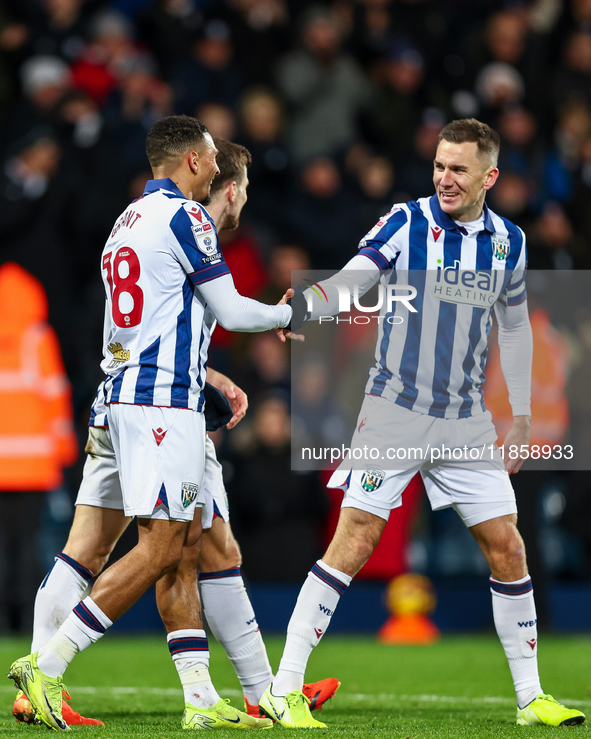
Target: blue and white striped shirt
{"type": "Point", "coordinates": [433, 361]}
{"type": "Point", "coordinates": [157, 327]}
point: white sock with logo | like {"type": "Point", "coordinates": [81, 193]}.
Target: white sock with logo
{"type": "Point", "coordinates": [514, 614]}
{"type": "Point", "coordinates": [64, 586]}
{"type": "Point", "coordinates": [189, 650]}
{"type": "Point", "coordinates": [231, 618]}
{"type": "Point", "coordinates": [315, 606]}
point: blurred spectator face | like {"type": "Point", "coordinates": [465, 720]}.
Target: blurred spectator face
{"type": "Point", "coordinates": [261, 14]}
{"type": "Point", "coordinates": [321, 178]}
{"type": "Point", "coordinates": [62, 12]}
{"type": "Point", "coordinates": [510, 194]}
{"type": "Point", "coordinates": [311, 383]}
{"type": "Point", "coordinates": [41, 158]}
{"type": "Point", "coordinates": [505, 37]}
{"type": "Point", "coordinates": [112, 36]}
{"type": "Point", "coordinates": [377, 178]}
{"type": "Point", "coordinates": [215, 48]}
{"type": "Point", "coordinates": [45, 80]}
{"type": "Point", "coordinates": [554, 228]}
{"type": "Point", "coordinates": [426, 140]}
{"type": "Point", "coordinates": [219, 119]}
{"type": "Point", "coordinates": [578, 53]}
{"type": "Point", "coordinates": [269, 357]}
{"type": "Point", "coordinates": [498, 84]}
{"type": "Point", "coordinates": [321, 36]}
{"type": "Point", "coordinates": [574, 127]}
{"type": "Point", "coordinates": [284, 259]}
{"type": "Point", "coordinates": [261, 115]}
{"type": "Point", "coordinates": [581, 10]}
{"type": "Point", "coordinates": [272, 423]}
{"type": "Point", "coordinates": [517, 126]}
{"type": "Point", "coordinates": [405, 72]}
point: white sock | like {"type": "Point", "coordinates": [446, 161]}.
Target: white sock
{"type": "Point", "coordinates": [85, 625]}
{"type": "Point", "coordinates": [231, 618]}
{"type": "Point", "coordinates": [190, 653]}
{"type": "Point", "coordinates": [316, 603]}
{"type": "Point", "coordinates": [64, 586]}
{"type": "Point", "coordinates": [514, 613]}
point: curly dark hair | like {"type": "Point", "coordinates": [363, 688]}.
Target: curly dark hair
{"type": "Point", "coordinates": [172, 136]}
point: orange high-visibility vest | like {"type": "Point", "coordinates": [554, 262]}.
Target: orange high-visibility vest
{"type": "Point", "coordinates": [549, 404]}
{"type": "Point", "coordinates": [37, 438]}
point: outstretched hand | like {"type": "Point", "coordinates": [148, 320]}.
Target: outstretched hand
{"type": "Point", "coordinates": [283, 333]}
{"type": "Point", "coordinates": [236, 396]}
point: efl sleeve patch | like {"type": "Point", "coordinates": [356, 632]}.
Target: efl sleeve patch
{"type": "Point", "coordinates": [196, 240]}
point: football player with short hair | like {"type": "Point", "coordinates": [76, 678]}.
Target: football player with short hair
{"type": "Point", "coordinates": [459, 260]}
{"type": "Point", "coordinates": [167, 285]}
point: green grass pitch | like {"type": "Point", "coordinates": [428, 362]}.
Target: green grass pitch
{"type": "Point", "coordinates": [459, 688]}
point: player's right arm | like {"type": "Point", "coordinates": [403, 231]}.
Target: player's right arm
{"type": "Point", "coordinates": [378, 251]}
{"type": "Point", "coordinates": [194, 241]}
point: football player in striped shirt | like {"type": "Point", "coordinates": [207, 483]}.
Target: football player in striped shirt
{"type": "Point", "coordinates": [167, 284]}
{"type": "Point", "coordinates": [444, 264]}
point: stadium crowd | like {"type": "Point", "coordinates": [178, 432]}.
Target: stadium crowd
{"type": "Point", "coordinates": [340, 104]}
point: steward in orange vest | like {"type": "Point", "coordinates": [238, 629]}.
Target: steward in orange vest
{"type": "Point", "coordinates": [37, 438]}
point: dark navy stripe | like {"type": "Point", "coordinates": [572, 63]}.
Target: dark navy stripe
{"type": "Point", "coordinates": [444, 345]}
{"type": "Point", "coordinates": [188, 644]}
{"type": "Point", "coordinates": [179, 392]}
{"type": "Point", "coordinates": [80, 569]}
{"type": "Point", "coordinates": [483, 252]}
{"type": "Point", "coordinates": [384, 374]}
{"type": "Point", "coordinates": [376, 257]}
{"type": "Point", "coordinates": [506, 588]}
{"type": "Point", "coordinates": [146, 379]}
{"type": "Point", "coordinates": [220, 574]}
{"type": "Point", "coordinates": [446, 326]}
{"type": "Point", "coordinates": [327, 578]}
{"type": "Point", "coordinates": [116, 384]}
{"type": "Point", "coordinates": [88, 618]}
{"type": "Point", "coordinates": [419, 228]}
{"type": "Point", "coordinates": [209, 273]}
{"type": "Point", "coordinates": [518, 299]}
{"type": "Point", "coordinates": [474, 336]}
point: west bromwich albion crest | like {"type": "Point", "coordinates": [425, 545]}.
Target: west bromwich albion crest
{"type": "Point", "coordinates": [189, 492]}
{"type": "Point", "coordinates": [371, 479]}
{"type": "Point", "coordinates": [500, 247]}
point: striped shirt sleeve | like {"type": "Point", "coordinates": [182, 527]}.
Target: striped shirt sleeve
{"type": "Point", "coordinates": [195, 242]}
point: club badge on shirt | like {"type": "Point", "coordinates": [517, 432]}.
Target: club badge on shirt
{"type": "Point", "coordinates": [500, 247]}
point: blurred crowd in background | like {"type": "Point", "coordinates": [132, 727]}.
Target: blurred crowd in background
{"type": "Point", "coordinates": [340, 104]}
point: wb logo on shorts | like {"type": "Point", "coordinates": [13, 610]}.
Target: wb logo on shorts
{"type": "Point", "coordinates": [189, 492]}
{"type": "Point", "coordinates": [372, 479]}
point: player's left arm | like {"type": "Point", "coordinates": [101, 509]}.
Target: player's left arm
{"type": "Point", "coordinates": [236, 396]}
{"type": "Point", "coordinates": [516, 351]}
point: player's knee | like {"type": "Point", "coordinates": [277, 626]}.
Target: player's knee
{"type": "Point", "coordinates": [232, 554]}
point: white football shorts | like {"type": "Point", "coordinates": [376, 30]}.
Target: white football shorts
{"type": "Point", "coordinates": [161, 459]}
{"type": "Point", "coordinates": [458, 460]}
{"type": "Point", "coordinates": [100, 486]}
